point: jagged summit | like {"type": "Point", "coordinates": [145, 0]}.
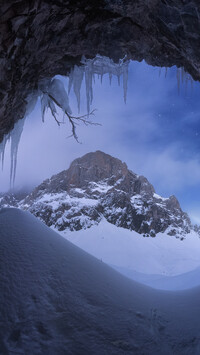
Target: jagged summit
{"type": "Point", "coordinates": [95, 167]}
{"type": "Point", "coordinates": [98, 186]}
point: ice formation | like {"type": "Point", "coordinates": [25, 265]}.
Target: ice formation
{"type": "Point", "coordinates": [52, 93]}
{"type": "Point", "coordinates": [15, 139]}
{"type": "Point", "coordinates": [181, 75]}
{"type": "Point", "coordinates": [77, 73]}
{"type": "Point", "coordinates": [2, 149]}
{"type": "Point", "coordinates": [99, 66]}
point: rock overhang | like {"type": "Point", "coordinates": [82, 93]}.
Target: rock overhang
{"type": "Point", "coordinates": [40, 40]}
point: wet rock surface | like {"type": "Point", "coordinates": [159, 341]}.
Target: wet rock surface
{"type": "Point", "coordinates": [40, 39]}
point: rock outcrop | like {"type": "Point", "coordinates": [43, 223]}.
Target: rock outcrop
{"type": "Point", "coordinates": [39, 39]}
{"type": "Point", "coordinates": [99, 186]}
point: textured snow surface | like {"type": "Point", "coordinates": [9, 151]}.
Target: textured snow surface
{"type": "Point", "coordinates": [56, 200]}
{"type": "Point", "coordinates": [56, 299]}
{"type": "Point", "coordinates": [160, 197]}
{"type": "Point", "coordinates": [127, 250]}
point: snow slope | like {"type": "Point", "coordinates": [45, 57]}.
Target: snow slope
{"type": "Point", "coordinates": [164, 254]}
{"type": "Point", "coordinates": [183, 281]}
{"type": "Point", "coordinates": [56, 299]}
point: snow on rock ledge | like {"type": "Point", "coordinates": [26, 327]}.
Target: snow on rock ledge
{"type": "Point", "coordinates": [99, 186]}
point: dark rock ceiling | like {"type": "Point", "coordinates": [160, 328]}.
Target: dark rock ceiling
{"type": "Point", "coordinates": [40, 39]}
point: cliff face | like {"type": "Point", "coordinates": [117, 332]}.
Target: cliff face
{"type": "Point", "coordinates": [40, 39]}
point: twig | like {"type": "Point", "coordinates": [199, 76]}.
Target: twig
{"type": "Point", "coordinates": [73, 119]}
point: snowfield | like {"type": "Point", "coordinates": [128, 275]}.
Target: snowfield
{"type": "Point", "coordinates": [147, 260]}
{"type": "Point", "coordinates": [56, 299]}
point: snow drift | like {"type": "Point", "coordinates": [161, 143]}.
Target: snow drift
{"type": "Point", "coordinates": [57, 299]}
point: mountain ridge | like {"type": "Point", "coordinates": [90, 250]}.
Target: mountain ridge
{"type": "Point", "coordinates": [98, 186]}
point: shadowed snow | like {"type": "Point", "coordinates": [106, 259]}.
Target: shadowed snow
{"type": "Point", "coordinates": [57, 299]}
{"type": "Point", "coordinates": [128, 250]}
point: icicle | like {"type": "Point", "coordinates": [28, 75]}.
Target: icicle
{"type": "Point", "coordinates": [160, 70]}
{"type": "Point", "coordinates": [191, 81]}
{"type": "Point", "coordinates": [53, 93]}
{"type": "Point", "coordinates": [52, 108]}
{"type": "Point", "coordinates": [125, 80]}
{"type": "Point", "coordinates": [78, 74]}
{"type": "Point", "coordinates": [15, 136]}
{"type": "Point", "coordinates": [110, 78]}
{"type": "Point", "coordinates": [118, 79]}
{"type": "Point", "coordinates": [178, 79]}
{"type": "Point", "coordinates": [2, 148]}
{"type": "Point", "coordinates": [186, 84]}
{"type": "Point", "coordinates": [88, 84]}
{"type": "Point", "coordinates": [102, 72]}
{"type": "Point", "coordinates": [182, 75]}
{"type": "Point", "coordinates": [56, 92]}
{"type": "Point", "coordinates": [44, 105]}
{"type": "Point", "coordinates": [31, 102]}
{"type": "Point", "coordinates": [166, 71]}
{"type": "Point", "coordinates": [71, 77]}
{"type": "Point", "coordinates": [100, 66]}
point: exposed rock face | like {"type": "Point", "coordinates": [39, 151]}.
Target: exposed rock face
{"type": "Point", "coordinates": [99, 186]}
{"type": "Point", "coordinates": [39, 39]}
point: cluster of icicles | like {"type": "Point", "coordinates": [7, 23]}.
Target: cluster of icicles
{"type": "Point", "coordinates": [52, 95]}
{"type": "Point", "coordinates": [181, 75]}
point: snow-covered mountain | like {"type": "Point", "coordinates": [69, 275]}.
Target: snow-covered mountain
{"type": "Point", "coordinates": [96, 187]}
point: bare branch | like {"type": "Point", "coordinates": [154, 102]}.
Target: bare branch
{"type": "Point", "coordinates": [73, 119]}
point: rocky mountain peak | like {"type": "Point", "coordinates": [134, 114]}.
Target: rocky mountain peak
{"type": "Point", "coordinates": [95, 166]}
{"type": "Point", "coordinates": [98, 186]}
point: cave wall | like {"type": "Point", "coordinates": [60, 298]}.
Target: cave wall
{"type": "Point", "coordinates": [40, 39]}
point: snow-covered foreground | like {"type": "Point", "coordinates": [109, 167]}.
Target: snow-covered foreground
{"type": "Point", "coordinates": [148, 260]}
{"type": "Point", "coordinates": [56, 299]}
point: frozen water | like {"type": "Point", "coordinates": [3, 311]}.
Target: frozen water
{"type": "Point", "coordinates": [2, 148]}
{"type": "Point", "coordinates": [77, 81]}
{"type": "Point", "coordinates": [97, 66]}
{"type": "Point", "coordinates": [15, 136]}
{"type": "Point", "coordinates": [52, 93]}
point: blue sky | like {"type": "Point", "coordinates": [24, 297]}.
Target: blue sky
{"type": "Point", "coordinates": [157, 133]}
